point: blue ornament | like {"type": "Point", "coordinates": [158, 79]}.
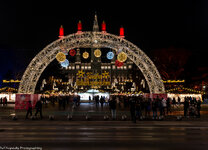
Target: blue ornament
{"type": "Point", "coordinates": [65, 63]}
{"type": "Point", "coordinates": [110, 55]}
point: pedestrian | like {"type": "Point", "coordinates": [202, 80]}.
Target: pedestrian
{"type": "Point", "coordinates": [168, 105]}
{"type": "Point", "coordinates": [1, 100]}
{"type": "Point", "coordinates": [29, 109]}
{"type": "Point", "coordinates": [112, 105]}
{"type": "Point", "coordinates": [133, 109]}
{"type": "Point", "coordinates": [97, 101]}
{"type": "Point", "coordinates": [164, 105]}
{"type": "Point", "coordinates": [89, 99]}
{"type": "Point", "coordinates": [186, 106]}
{"type": "Point", "coordinates": [138, 108]}
{"type": "Point", "coordinates": [38, 107]}
{"type": "Point", "coordinates": [154, 108]}
{"type": "Point", "coordinates": [102, 100]}
{"type": "Point", "coordinates": [6, 101]}
{"type": "Point", "coordinates": [198, 106]}
{"type": "Point", "coordinates": [179, 100]}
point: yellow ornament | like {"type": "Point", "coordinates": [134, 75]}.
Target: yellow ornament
{"type": "Point", "coordinates": [85, 55]}
{"type": "Point", "coordinates": [97, 53]}
{"type": "Point", "coordinates": [60, 57]}
{"type": "Point", "coordinates": [122, 57]}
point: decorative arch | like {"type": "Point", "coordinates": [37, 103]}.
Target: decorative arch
{"type": "Point", "coordinates": [90, 40]}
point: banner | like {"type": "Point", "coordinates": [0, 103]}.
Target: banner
{"type": "Point", "coordinates": [22, 99]}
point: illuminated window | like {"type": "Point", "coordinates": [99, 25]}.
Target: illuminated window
{"type": "Point", "coordinates": [130, 66]}
{"type": "Point", "coordinates": [77, 66]}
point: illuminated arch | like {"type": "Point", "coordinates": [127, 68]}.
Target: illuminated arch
{"type": "Point", "coordinates": [90, 40]}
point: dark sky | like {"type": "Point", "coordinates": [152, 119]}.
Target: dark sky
{"type": "Point", "coordinates": [26, 27]}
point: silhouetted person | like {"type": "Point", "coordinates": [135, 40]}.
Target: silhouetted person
{"type": "Point", "coordinates": [29, 109]}
{"type": "Point", "coordinates": [38, 107]}
{"type": "Point", "coordinates": [133, 109]}
{"type": "Point", "coordinates": [154, 108]}
{"type": "Point", "coordinates": [97, 101]}
{"type": "Point", "coordinates": [102, 100]}
{"type": "Point", "coordinates": [198, 106]}
{"type": "Point", "coordinates": [186, 106]}
{"type": "Point", "coordinates": [112, 105]}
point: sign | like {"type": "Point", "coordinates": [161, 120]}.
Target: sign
{"type": "Point", "coordinates": [90, 79]}
{"type": "Point", "coordinates": [22, 99]}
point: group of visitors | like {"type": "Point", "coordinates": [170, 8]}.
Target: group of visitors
{"type": "Point", "coordinates": [3, 101]}
{"type": "Point", "coordinates": [138, 106]}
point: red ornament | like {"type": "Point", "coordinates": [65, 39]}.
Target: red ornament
{"type": "Point", "coordinates": [72, 52]}
{"type": "Point", "coordinates": [118, 63]}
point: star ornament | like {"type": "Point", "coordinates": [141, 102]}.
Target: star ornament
{"type": "Point", "coordinates": [80, 74]}
{"type": "Point", "coordinates": [105, 75]}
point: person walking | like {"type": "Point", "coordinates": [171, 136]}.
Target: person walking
{"type": "Point", "coordinates": [112, 105]}
{"type": "Point", "coordinates": [29, 109]}
{"type": "Point", "coordinates": [102, 100]}
{"type": "Point", "coordinates": [97, 101]}
{"type": "Point", "coordinates": [164, 105]}
{"type": "Point", "coordinates": [133, 109]}
{"type": "Point", "coordinates": [186, 106]}
{"type": "Point", "coordinates": [38, 107]}
{"type": "Point", "coordinates": [154, 108]}
{"type": "Point", "coordinates": [198, 106]}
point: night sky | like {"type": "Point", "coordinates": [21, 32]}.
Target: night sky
{"type": "Point", "coordinates": [26, 27]}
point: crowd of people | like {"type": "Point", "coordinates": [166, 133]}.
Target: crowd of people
{"type": "Point", "coordinates": [138, 106]}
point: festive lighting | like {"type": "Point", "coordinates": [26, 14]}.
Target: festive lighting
{"type": "Point", "coordinates": [60, 57]}
{"type": "Point", "coordinates": [122, 57]}
{"type": "Point", "coordinates": [103, 26]}
{"type": "Point", "coordinates": [65, 64]}
{"type": "Point", "coordinates": [82, 40]}
{"type": "Point", "coordinates": [72, 52]}
{"type": "Point", "coordinates": [61, 32]}
{"type": "Point", "coordinates": [97, 53]}
{"type": "Point", "coordinates": [118, 63]}
{"type": "Point", "coordinates": [79, 26]}
{"type": "Point", "coordinates": [85, 55]}
{"type": "Point", "coordinates": [122, 32]}
{"type": "Point", "coordinates": [110, 55]}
